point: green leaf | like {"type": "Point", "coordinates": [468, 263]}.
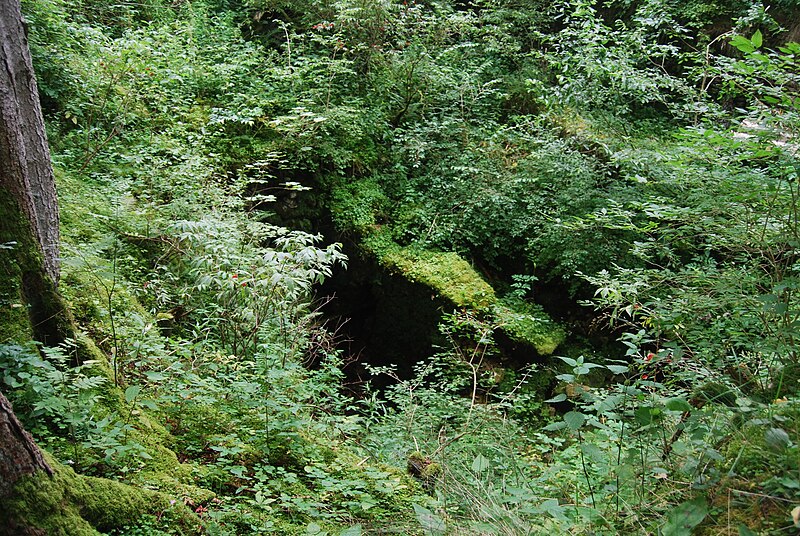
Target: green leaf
{"type": "Point", "coordinates": [757, 39]}
{"type": "Point", "coordinates": [568, 360]}
{"type": "Point", "coordinates": [554, 426]}
{"type": "Point", "coordinates": [558, 398]}
{"type": "Point", "coordinates": [131, 393]}
{"type": "Point", "coordinates": [552, 507]}
{"type": "Point", "coordinates": [154, 376]}
{"type": "Point", "coordinates": [645, 415]}
{"type": "Point", "coordinates": [574, 420]}
{"type": "Point", "coordinates": [777, 438]}
{"type": "Point", "coordinates": [745, 531]}
{"type": "Point", "coordinates": [678, 404]}
{"type": "Point", "coordinates": [743, 44]}
{"type": "Point", "coordinates": [593, 452]}
{"type": "Point", "coordinates": [430, 522]}
{"type": "Point", "coordinates": [315, 530]}
{"type": "Point", "coordinates": [355, 530]}
{"type": "Point", "coordinates": [149, 404]}
{"type": "Point", "coordinates": [480, 464]}
{"type": "Point", "coordinates": [684, 517]}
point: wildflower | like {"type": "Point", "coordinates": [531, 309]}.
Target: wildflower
{"type": "Point", "coordinates": [235, 276]}
{"type": "Point", "coordinates": [645, 376]}
{"type": "Point", "coordinates": [649, 356]}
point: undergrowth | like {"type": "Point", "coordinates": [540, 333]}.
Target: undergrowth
{"type": "Point", "coordinates": [486, 152]}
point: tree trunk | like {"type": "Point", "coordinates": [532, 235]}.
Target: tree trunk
{"type": "Point", "coordinates": [28, 203]}
{"type": "Point", "coordinates": [28, 239]}
{"type": "Point", "coordinates": [19, 455]}
{"type": "Point", "coordinates": [27, 172]}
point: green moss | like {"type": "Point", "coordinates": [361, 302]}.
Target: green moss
{"type": "Point", "coordinates": [14, 321]}
{"type": "Point", "coordinates": [72, 505]}
{"type": "Point", "coordinates": [527, 323]}
{"type": "Point", "coordinates": [173, 483]}
{"type": "Point", "coordinates": [15, 325]}
{"type": "Point", "coordinates": [30, 308]}
{"type": "Point", "coordinates": [431, 471]}
{"type": "Point", "coordinates": [160, 468]}
{"type": "Point", "coordinates": [715, 393]}
{"type": "Point", "coordinates": [424, 469]}
{"type": "Point", "coordinates": [451, 277]}
{"type": "Point", "coordinates": [446, 273]}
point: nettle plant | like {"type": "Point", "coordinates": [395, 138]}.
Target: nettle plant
{"type": "Point", "coordinates": [639, 447]}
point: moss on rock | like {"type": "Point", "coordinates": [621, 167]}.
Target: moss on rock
{"type": "Point", "coordinates": [454, 279]}
{"type": "Point", "coordinates": [527, 323]}
{"type": "Point", "coordinates": [446, 273]}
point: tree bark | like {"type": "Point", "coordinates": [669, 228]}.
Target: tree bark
{"type": "Point", "coordinates": [19, 455]}
{"type": "Point", "coordinates": [26, 170]}
{"type": "Point", "coordinates": [28, 201]}
{"type": "Point", "coordinates": [28, 236]}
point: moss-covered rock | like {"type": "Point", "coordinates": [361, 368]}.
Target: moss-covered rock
{"type": "Point", "coordinates": [525, 322]}
{"type": "Point", "coordinates": [451, 277]}
{"type": "Point", "coordinates": [454, 280]}
{"type": "Point", "coordinates": [360, 208]}
{"type": "Point", "coordinates": [446, 273]}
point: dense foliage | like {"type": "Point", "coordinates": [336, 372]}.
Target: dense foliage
{"type": "Point", "coordinates": [628, 166]}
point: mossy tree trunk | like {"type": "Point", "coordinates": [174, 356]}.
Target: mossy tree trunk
{"type": "Point", "coordinates": [19, 456]}
{"type": "Point", "coordinates": [29, 258]}
{"type": "Point", "coordinates": [28, 243]}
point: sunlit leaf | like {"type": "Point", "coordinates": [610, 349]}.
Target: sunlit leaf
{"type": "Point", "coordinates": [757, 39]}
